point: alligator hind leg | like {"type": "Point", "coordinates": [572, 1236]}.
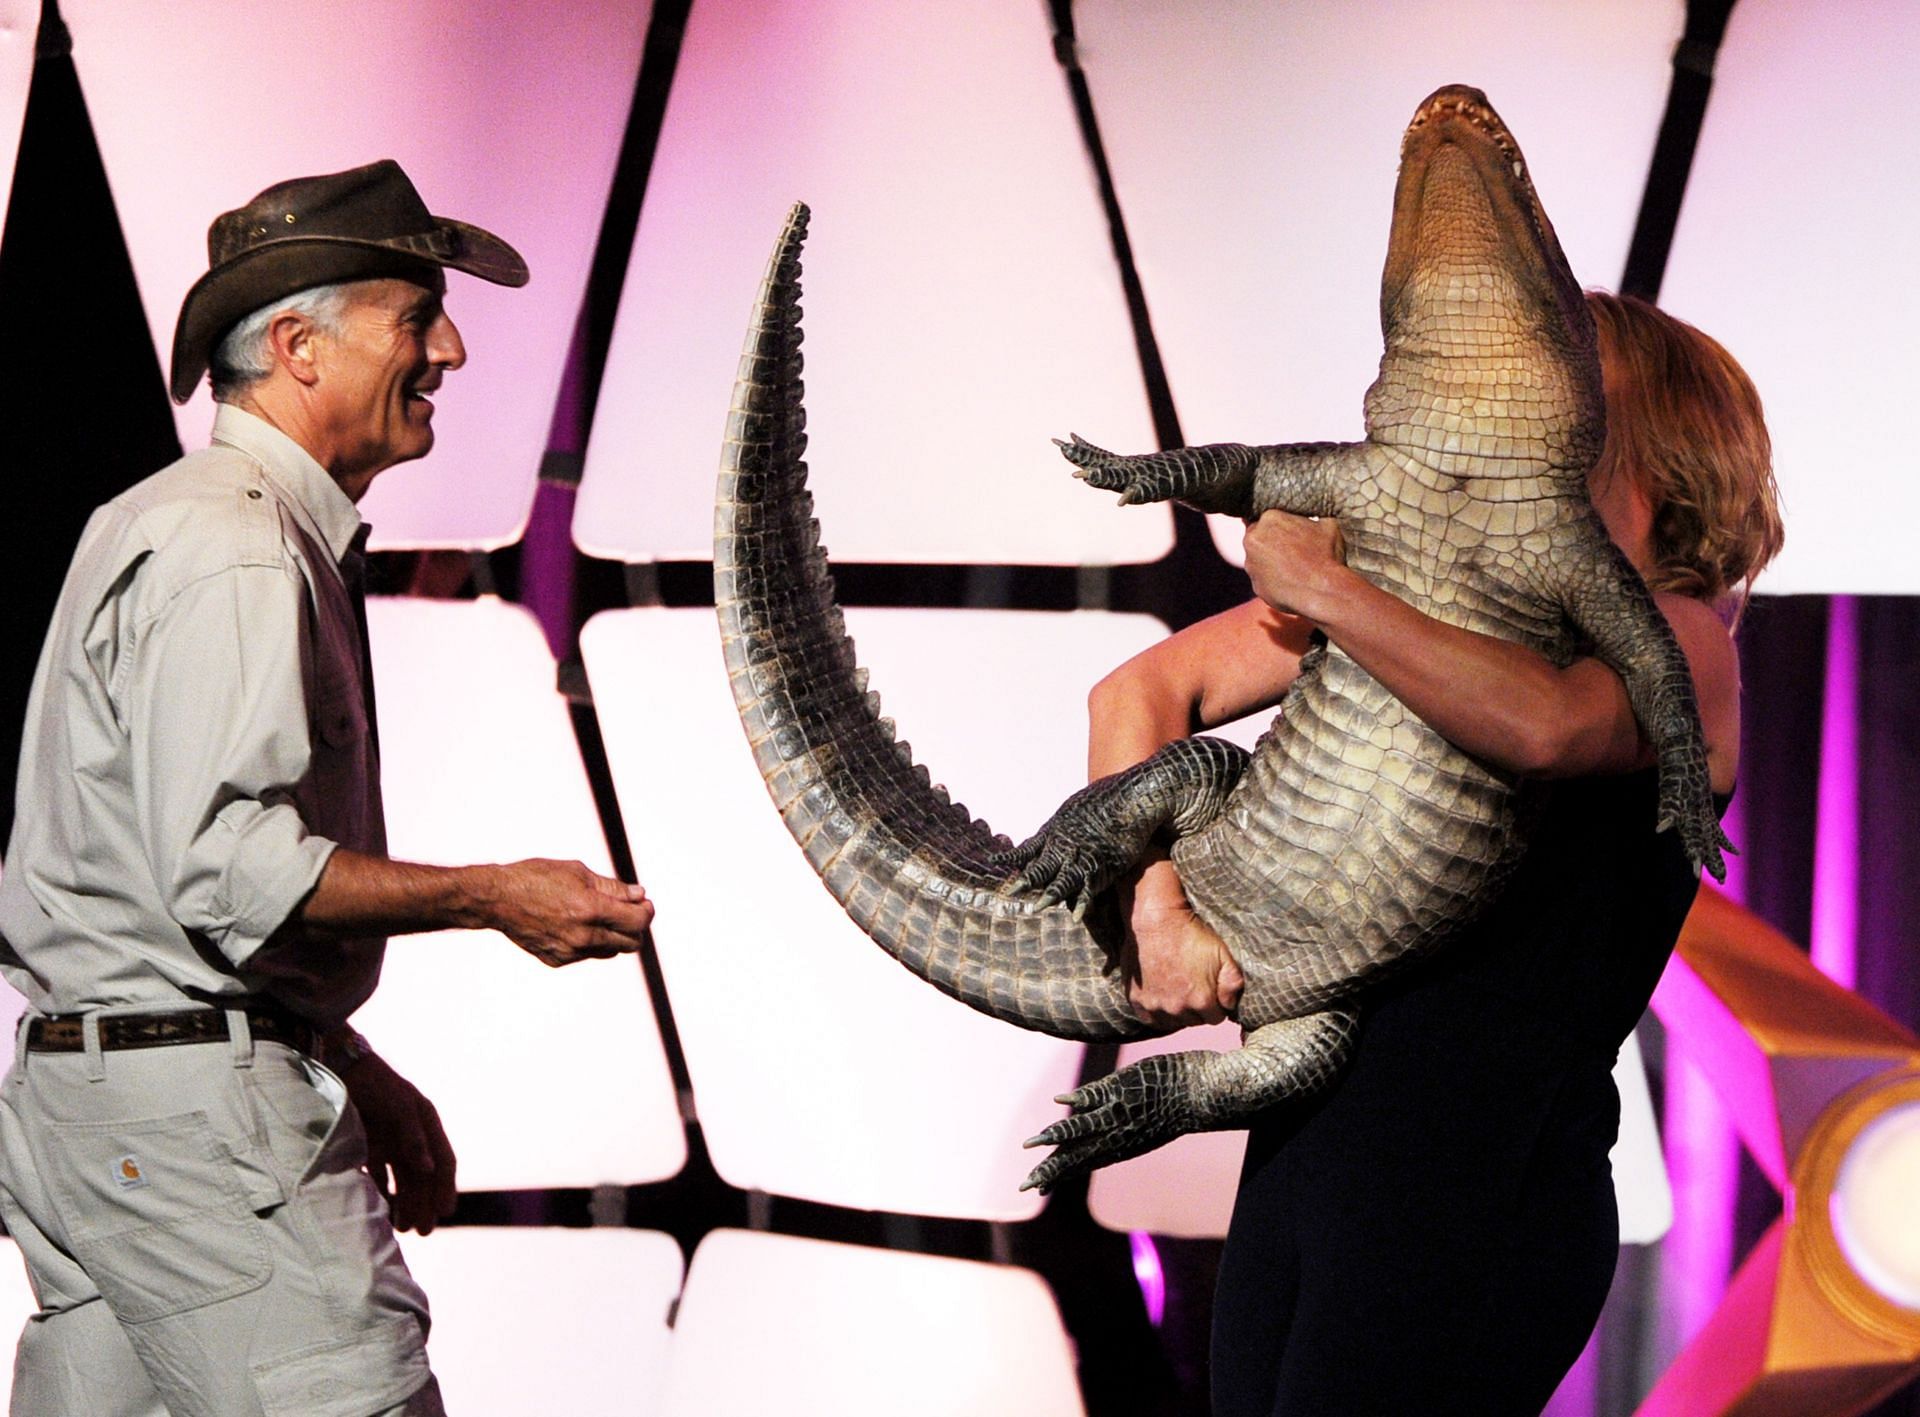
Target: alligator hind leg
{"type": "Point", "coordinates": [1149, 1103]}
{"type": "Point", "coordinates": [1105, 827]}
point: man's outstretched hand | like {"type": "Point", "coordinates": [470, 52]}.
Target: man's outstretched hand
{"type": "Point", "coordinates": [560, 912]}
{"type": "Point", "coordinates": [557, 911]}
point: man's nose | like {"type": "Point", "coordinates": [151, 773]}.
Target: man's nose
{"type": "Point", "coordinates": [444, 345]}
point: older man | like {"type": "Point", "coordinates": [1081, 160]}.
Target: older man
{"type": "Point", "coordinates": [197, 892]}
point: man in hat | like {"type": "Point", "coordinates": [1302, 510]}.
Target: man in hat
{"type": "Point", "coordinates": [197, 891]}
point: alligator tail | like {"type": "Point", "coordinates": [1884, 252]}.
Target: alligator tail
{"type": "Point", "coordinates": [914, 870]}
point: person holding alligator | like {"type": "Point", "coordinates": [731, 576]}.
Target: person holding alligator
{"type": "Point", "coordinates": [1439, 1228]}
{"type": "Point", "coordinates": [1356, 836]}
{"type": "Point", "coordinates": [1358, 847]}
{"type": "Point", "coordinates": [193, 1143]}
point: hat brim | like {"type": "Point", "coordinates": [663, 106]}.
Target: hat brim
{"type": "Point", "coordinates": [229, 293]}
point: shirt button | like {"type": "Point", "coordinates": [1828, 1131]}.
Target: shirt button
{"type": "Point", "coordinates": [254, 492]}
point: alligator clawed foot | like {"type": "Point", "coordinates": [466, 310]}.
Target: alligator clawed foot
{"type": "Point", "coordinates": [1085, 846]}
{"type": "Point", "coordinates": [1124, 1114]}
{"type": "Point", "coordinates": [1686, 802]}
{"type": "Point", "coordinates": [1705, 842]}
{"type": "Point", "coordinates": [1147, 478]}
{"type": "Point", "coordinates": [1061, 865]}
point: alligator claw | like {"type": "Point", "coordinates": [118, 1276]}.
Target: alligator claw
{"type": "Point", "coordinates": [1115, 1117]}
{"type": "Point", "coordinates": [1147, 478]}
{"type": "Point", "coordinates": [1074, 857]}
{"type": "Point", "coordinates": [1686, 804]}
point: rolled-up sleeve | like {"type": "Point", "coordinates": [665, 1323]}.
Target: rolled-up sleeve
{"type": "Point", "coordinates": [219, 733]}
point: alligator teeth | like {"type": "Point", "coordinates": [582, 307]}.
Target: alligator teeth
{"type": "Point", "coordinates": [1519, 170]}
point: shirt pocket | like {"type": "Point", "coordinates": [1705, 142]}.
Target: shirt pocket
{"type": "Point", "coordinates": [157, 1213]}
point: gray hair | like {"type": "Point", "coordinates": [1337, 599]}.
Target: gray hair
{"type": "Point", "coordinates": [244, 357]}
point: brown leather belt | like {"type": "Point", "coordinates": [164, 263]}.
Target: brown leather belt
{"type": "Point", "coordinates": [67, 1033]}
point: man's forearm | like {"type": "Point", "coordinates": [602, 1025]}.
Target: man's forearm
{"type": "Point", "coordinates": [359, 894]}
{"type": "Point", "coordinates": [557, 911]}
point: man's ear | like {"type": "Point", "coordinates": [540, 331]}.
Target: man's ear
{"type": "Point", "coordinates": [294, 339]}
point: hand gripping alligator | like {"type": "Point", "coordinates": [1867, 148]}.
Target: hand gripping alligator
{"type": "Point", "coordinates": [1354, 836]}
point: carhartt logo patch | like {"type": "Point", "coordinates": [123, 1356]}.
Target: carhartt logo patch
{"type": "Point", "coordinates": [127, 1174]}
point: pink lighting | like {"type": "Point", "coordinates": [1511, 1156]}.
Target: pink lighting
{"type": "Point", "coordinates": [1702, 1029]}
{"type": "Point", "coordinates": [1825, 1091]}
{"type": "Point", "coordinates": [1151, 1277]}
{"type": "Point", "coordinates": [1703, 1159]}
{"type": "Point", "coordinates": [1836, 846]}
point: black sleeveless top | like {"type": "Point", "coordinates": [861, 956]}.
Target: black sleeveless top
{"type": "Point", "coordinates": [1439, 1225]}
{"type": "Point", "coordinates": [1571, 951]}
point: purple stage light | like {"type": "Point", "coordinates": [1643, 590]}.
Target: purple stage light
{"type": "Point", "coordinates": [1836, 843]}
{"type": "Point", "coordinates": [1151, 1277]}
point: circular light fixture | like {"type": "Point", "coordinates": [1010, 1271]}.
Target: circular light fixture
{"type": "Point", "coordinates": [1876, 1204]}
{"type": "Point", "coordinates": [1857, 1190]}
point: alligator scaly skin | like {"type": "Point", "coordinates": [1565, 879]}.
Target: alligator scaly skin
{"type": "Point", "coordinates": [1357, 837]}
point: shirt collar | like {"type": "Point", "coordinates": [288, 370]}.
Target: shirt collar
{"type": "Point", "coordinates": [294, 473]}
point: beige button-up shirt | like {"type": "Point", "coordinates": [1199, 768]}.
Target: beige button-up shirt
{"type": "Point", "coordinates": [196, 744]}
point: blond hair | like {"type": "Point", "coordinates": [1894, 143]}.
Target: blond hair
{"type": "Point", "coordinates": [1684, 422]}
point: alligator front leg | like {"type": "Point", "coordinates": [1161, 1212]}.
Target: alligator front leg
{"type": "Point", "coordinates": [1149, 1103]}
{"type": "Point", "coordinates": [1309, 479]}
{"type": "Point", "coordinates": [1612, 607]}
{"type": "Point", "coordinates": [1103, 829]}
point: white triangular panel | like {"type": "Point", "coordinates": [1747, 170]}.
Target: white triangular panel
{"type": "Point", "coordinates": [543, 1077]}
{"type": "Point", "coordinates": [771, 1323]}
{"type": "Point", "coordinates": [822, 1069]}
{"type": "Point", "coordinates": [962, 303]}
{"type": "Point", "coordinates": [506, 115]}
{"type": "Point", "coordinates": [1641, 1186]}
{"type": "Point", "coordinates": [1795, 250]}
{"type": "Point", "coordinates": [596, 1347]}
{"type": "Point", "coordinates": [19, 23]}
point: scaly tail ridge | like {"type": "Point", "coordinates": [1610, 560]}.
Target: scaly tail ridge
{"type": "Point", "coordinates": [913, 869]}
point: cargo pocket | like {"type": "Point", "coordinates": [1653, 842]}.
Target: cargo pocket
{"type": "Point", "coordinates": [376, 1369]}
{"type": "Point", "coordinates": [157, 1213]}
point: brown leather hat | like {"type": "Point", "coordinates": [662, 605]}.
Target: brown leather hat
{"type": "Point", "coordinates": [357, 225]}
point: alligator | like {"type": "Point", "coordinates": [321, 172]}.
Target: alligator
{"type": "Point", "coordinates": [1354, 837]}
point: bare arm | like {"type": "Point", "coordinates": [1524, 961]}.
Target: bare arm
{"type": "Point", "coordinates": [1233, 664]}
{"type": "Point", "coordinates": [1499, 701]}
{"type": "Point", "coordinates": [1495, 699]}
{"type": "Point", "coordinates": [557, 911]}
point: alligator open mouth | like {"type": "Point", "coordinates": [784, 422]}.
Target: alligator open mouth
{"type": "Point", "coordinates": [1465, 203]}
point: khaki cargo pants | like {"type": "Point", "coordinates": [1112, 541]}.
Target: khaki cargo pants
{"type": "Point", "coordinates": [201, 1238]}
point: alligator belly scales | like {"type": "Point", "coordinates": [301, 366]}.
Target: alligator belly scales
{"type": "Point", "coordinates": [1354, 837]}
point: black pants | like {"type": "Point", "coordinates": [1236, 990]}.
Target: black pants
{"type": "Point", "coordinates": [1438, 1235]}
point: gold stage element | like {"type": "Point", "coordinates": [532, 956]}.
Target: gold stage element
{"type": "Point", "coordinates": [1804, 1067]}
